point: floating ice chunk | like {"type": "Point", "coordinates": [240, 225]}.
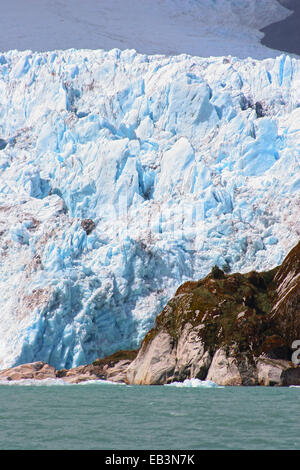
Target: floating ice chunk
{"type": "Point", "coordinates": [195, 383]}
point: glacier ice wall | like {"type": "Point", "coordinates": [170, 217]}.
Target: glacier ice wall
{"type": "Point", "coordinates": [123, 175]}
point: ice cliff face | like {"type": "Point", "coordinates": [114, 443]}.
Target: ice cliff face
{"type": "Point", "coordinates": [124, 175]}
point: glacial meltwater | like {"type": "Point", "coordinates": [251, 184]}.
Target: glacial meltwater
{"type": "Point", "coordinates": [107, 416]}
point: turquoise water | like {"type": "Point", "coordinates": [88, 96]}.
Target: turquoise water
{"type": "Point", "coordinates": [122, 417]}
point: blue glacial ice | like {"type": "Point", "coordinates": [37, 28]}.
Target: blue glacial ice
{"type": "Point", "coordinates": [173, 160]}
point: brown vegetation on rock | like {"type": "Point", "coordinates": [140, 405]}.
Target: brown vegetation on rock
{"type": "Point", "coordinates": [244, 324]}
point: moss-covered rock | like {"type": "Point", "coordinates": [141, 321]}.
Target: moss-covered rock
{"type": "Point", "coordinates": [242, 316]}
{"type": "Point", "coordinates": [231, 309]}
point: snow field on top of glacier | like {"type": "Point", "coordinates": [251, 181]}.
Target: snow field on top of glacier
{"type": "Point", "coordinates": [195, 27]}
{"type": "Point", "coordinates": [181, 162]}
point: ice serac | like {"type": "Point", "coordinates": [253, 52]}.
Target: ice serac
{"type": "Point", "coordinates": [124, 175]}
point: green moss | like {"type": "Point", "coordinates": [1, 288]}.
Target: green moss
{"type": "Point", "coordinates": [231, 309]}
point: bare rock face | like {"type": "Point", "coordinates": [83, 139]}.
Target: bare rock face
{"type": "Point", "coordinates": [163, 360]}
{"type": "Point", "coordinates": [88, 225]}
{"type": "Point", "coordinates": [286, 307]}
{"type": "Point", "coordinates": [118, 372]}
{"type": "Point", "coordinates": [270, 371]}
{"type": "Point", "coordinates": [80, 374]}
{"type": "Point", "coordinates": [115, 373]}
{"type": "Point", "coordinates": [112, 368]}
{"type": "Point", "coordinates": [224, 370]}
{"type": "Point", "coordinates": [227, 369]}
{"type": "Point", "coordinates": [291, 377]}
{"type": "Point", "coordinates": [155, 362]}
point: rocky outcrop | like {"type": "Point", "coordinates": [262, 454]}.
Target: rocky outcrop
{"type": "Point", "coordinates": [226, 369]}
{"type": "Point", "coordinates": [112, 368]}
{"type": "Point", "coordinates": [290, 377]}
{"type": "Point", "coordinates": [163, 360]}
{"type": "Point", "coordinates": [271, 371]}
{"type": "Point", "coordinates": [155, 363]}
{"type": "Point", "coordinates": [101, 369]}
{"type": "Point", "coordinates": [192, 360]}
{"type": "Point", "coordinates": [88, 225]}
{"type": "Point", "coordinates": [35, 370]}
{"type": "Point", "coordinates": [286, 307]}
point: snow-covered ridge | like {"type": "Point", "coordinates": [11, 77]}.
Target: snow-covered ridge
{"type": "Point", "coordinates": [196, 27]}
{"type": "Point", "coordinates": [181, 163]}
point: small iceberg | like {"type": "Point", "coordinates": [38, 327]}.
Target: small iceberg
{"type": "Point", "coordinates": [195, 383]}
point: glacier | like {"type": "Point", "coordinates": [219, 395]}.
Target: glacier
{"type": "Point", "coordinates": [122, 175]}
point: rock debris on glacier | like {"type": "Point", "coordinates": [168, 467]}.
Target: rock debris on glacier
{"type": "Point", "coordinates": [177, 163]}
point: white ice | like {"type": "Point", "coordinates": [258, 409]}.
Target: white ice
{"type": "Point", "coordinates": [194, 383]}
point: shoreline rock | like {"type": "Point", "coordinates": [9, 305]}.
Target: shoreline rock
{"type": "Point", "coordinates": [232, 329]}
{"type": "Point", "coordinates": [36, 370]}
{"type": "Point", "coordinates": [112, 368]}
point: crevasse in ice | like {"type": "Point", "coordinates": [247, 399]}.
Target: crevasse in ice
{"type": "Point", "coordinates": [181, 163]}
